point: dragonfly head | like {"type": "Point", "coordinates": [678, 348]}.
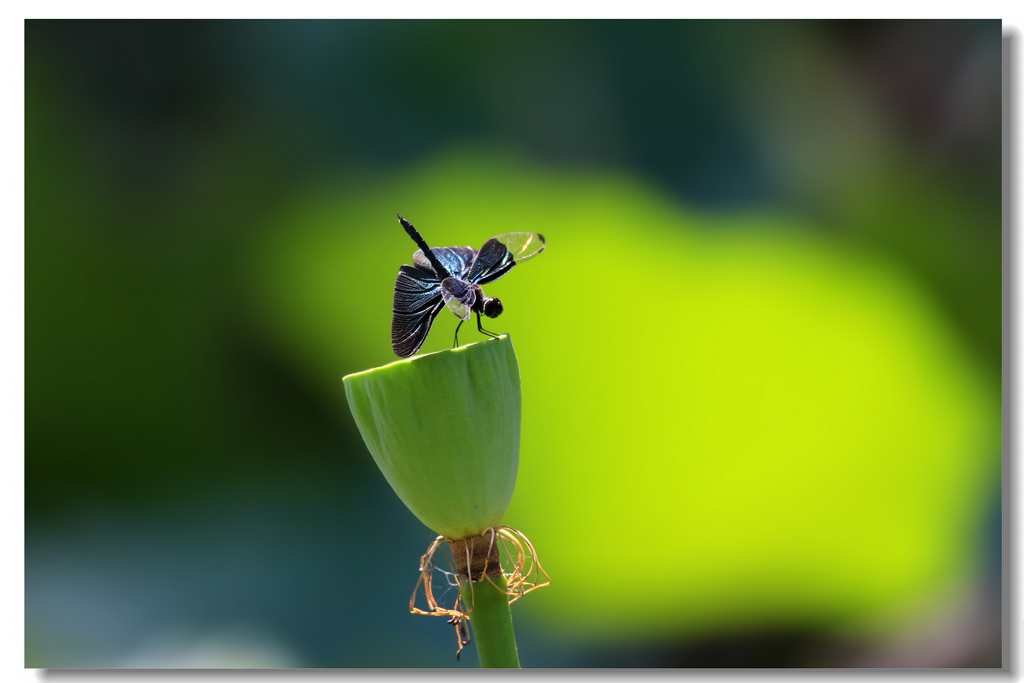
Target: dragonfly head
{"type": "Point", "coordinates": [493, 307]}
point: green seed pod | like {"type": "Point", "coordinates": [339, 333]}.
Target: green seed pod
{"type": "Point", "coordinates": [444, 429]}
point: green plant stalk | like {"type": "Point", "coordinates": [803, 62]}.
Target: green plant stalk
{"type": "Point", "coordinates": [491, 621]}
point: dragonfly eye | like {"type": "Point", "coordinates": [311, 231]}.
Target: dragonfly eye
{"type": "Point", "coordinates": [493, 307]}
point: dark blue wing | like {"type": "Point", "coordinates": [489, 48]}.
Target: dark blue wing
{"type": "Point", "coordinates": [456, 260]}
{"type": "Point", "coordinates": [417, 302]}
{"type": "Point", "coordinates": [500, 254]}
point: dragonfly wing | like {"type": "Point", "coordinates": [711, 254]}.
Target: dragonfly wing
{"type": "Point", "coordinates": [456, 260]}
{"type": "Point", "coordinates": [458, 296]}
{"type": "Point", "coordinates": [417, 302]}
{"type": "Point", "coordinates": [500, 254]}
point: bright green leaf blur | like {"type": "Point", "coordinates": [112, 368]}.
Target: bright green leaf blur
{"type": "Point", "coordinates": [725, 420]}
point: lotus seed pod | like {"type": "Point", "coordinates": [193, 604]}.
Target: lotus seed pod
{"type": "Point", "coordinates": [444, 430]}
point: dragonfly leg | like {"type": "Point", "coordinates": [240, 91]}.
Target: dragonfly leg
{"type": "Point", "coordinates": [457, 334]}
{"type": "Point", "coordinates": [481, 327]}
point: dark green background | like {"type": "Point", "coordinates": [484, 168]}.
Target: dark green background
{"type": "Point", "coordinates": [192, 473]}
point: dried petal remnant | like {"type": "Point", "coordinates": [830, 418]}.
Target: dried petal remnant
{"type": "Point", "coordinates": [524, 572]}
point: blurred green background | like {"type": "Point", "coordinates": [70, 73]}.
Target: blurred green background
{"type": "Point", "coordinates": [760, 357]}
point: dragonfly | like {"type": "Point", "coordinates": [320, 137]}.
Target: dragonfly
{"type": "Point", "coordinates": [452, 277]}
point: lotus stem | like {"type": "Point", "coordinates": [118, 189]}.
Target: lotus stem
{"type": "Point", "coordinates": [491, 621]}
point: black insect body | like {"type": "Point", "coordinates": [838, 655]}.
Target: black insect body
{"type": "Point", "coordinates": [452, 277]}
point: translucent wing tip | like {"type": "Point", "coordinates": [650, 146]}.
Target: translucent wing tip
{"type": "Point", "coordinates": [458, 297]}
